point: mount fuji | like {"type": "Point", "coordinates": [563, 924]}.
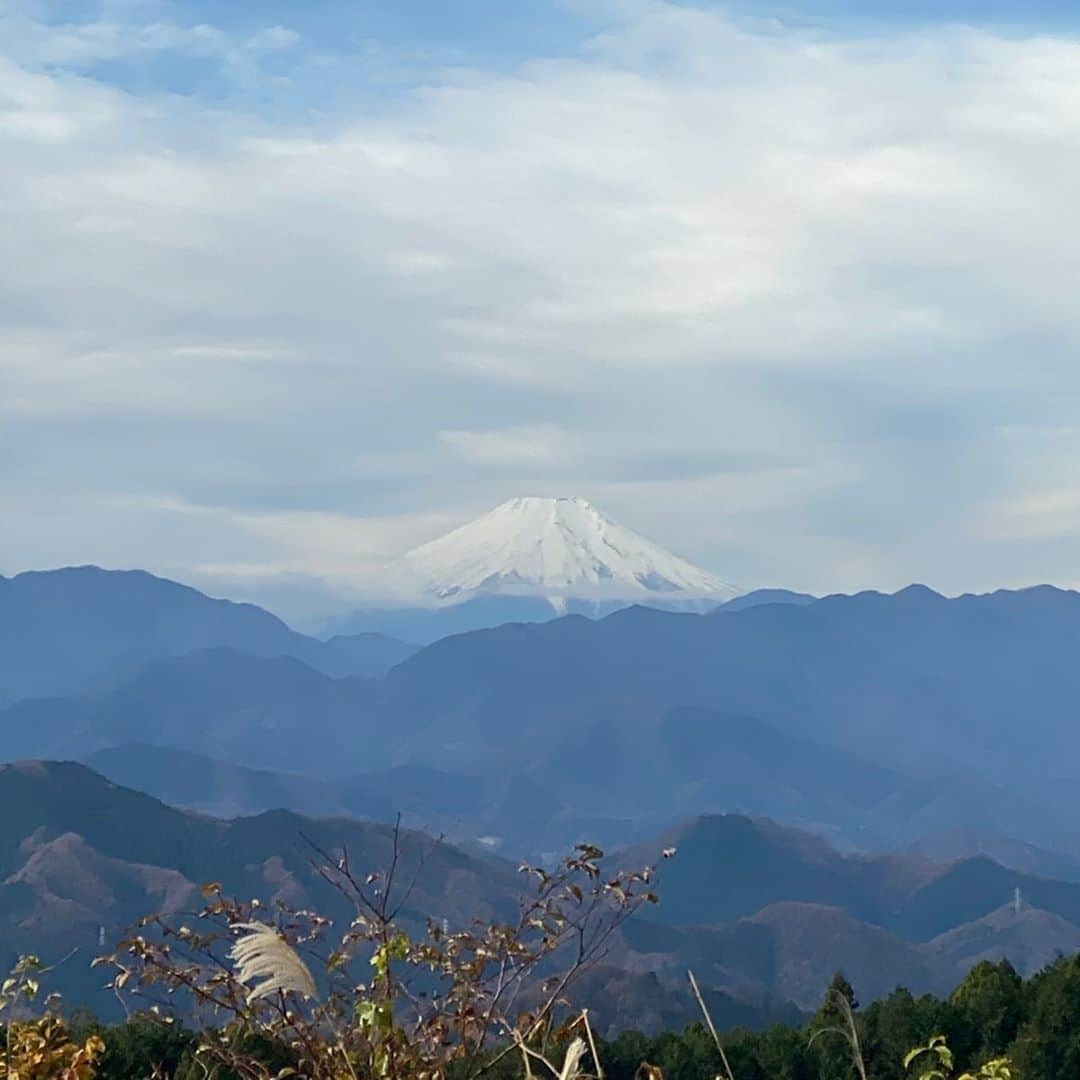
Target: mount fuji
{"type": "Point", "coordinates": [529, 559]}
{"type": "Point", "coordinates": [557, 549]}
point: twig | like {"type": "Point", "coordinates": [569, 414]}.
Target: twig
{"type": "Point", "coordinates": [712, 1026]}
{"type": "Point", "coordinates": [850, 1034]}
{"type": "Point", "coordinates": [592, 1044]}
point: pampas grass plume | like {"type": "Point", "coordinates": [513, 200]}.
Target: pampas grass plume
{"type": "Point", "coordinates": [572, 1062]}
{"type": "Point", "coordinates": [262, 953]}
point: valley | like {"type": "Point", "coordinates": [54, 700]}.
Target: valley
{"type": "Point", "coordinates": [809, 838]}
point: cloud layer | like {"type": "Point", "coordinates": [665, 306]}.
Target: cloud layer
{"type": "Point", "coordinates": [798, 304]}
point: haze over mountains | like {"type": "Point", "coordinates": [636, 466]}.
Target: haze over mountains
{"type": "Point", "coordinates": [643, 726]}
{"type": "Point", "coordinates": [764, 914]}
{"type": "Point", "coordinates": [688, 714]}
{"type": "Point", "coordinates": [82, 628]}
{"type": "Point", "coordinates": [854, 685]}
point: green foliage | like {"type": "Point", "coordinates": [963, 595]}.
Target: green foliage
{"type": "Point", "coordinates": [1048, 1044]}
{"type": "Point", "coordinates": [686, 1056]}
{"type": "Point", "coordinates": [837, 1033]}
{"type": "Point", "coordinates": [989, 1007]}
{"type": "Point", "coordinates": [896, 1023]}
{"type": "Point", "coordinates": [1014, 1029]}
{"type": "Point", "coordinates": [935, 1062]}
{"type": "Point", "coordinates": [142, 1047]}
{"type": "Point", "coordinates": [836, 1039]}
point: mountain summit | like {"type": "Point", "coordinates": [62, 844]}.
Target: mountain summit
{"type": "Point", "coordinates": [556, 548]}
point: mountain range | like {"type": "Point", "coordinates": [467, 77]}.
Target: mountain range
{"type": "Point", "coordinates": [883, 677]}
{"type": "Point", "coordinates": [814, 713]}
{"type": "Point", "coordinates": [641, 728]}
{"type": "Point", "coordinates": [82, 859]}
{"type": "Point", "coordinates": [82, 629]}
{"type": "Point", "coordinates": [763, 913]}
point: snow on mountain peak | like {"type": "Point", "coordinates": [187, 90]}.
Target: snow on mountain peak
{"type": "Point", "coordinates": [556, 548]}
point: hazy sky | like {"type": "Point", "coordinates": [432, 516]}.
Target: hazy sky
{"type": "Point", "coordinates": [288, 287]}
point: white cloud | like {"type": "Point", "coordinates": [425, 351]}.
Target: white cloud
{"type": "Point", "coordinates": [274, 39]}
{"type": "Point", "coordinates": [1038, 515]}
{"type": "Point", "coordinates": [700, 236]}
{"type": "Point", "coordinates": [529, 446]}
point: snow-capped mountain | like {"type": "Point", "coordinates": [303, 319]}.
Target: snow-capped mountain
{"type": "Point", "coordinates": [557, 549]}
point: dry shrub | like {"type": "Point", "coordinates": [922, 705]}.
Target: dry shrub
{"type": "Point", "coordinates": [392, 1000]}
{"type": "Point", "coordinates": [42, 1050]}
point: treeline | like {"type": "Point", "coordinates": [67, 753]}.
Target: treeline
{"type": "Point", "coordinates": [992, 1013]}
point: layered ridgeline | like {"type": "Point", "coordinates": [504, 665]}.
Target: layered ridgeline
{"type": "Point", "coordinates": [763, 914]}
{"type": "Point", "coordinates": [528, 560]}
{"type": "Point", "coordinates": [82, 859]}
{"type": "Point", "coordinates": [82, 628]}
{"type": "Point", "coordinates": [816, 714]}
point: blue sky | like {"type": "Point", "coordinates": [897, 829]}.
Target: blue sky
{"type": "Point", "coordinates": [289, 288]}
{"type": "Point", "coordinates": [365, 49]}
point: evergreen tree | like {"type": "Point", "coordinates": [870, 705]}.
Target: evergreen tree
{"type": "Point", "coordinates": [896, 1024]}
{"type": "Point", "coordinates": [836, 1032]}
{"type": "Point", "coordinates": [782, 1054]}
{"type": "Point", "coordinates": [1048, 1044]}
{"type": "Point", "coordinates": [989, 1006]}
